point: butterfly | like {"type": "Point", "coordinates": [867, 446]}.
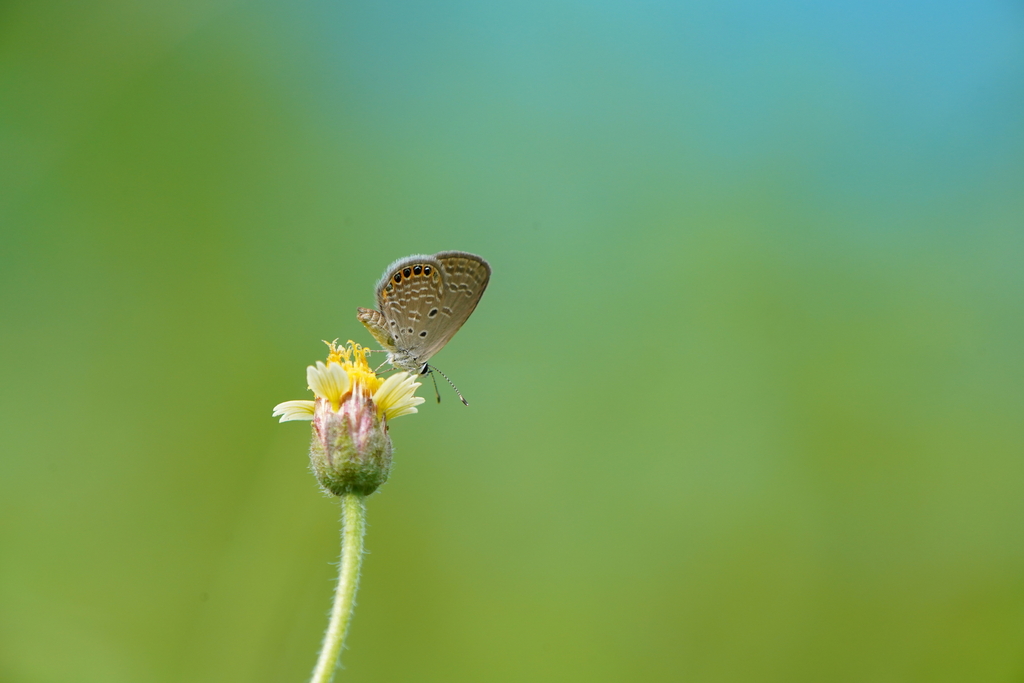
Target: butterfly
{"type": "Point", "coordinates": [422, 301]}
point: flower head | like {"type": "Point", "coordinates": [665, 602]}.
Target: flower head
{"type": "Point", "coordinates": [351, 448]}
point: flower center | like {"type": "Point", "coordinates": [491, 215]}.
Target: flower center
{"type": "Point", "coordinates": [352, 359]}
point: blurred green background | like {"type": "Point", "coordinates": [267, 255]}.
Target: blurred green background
{"type": "Point", "coordinates": [746, 388]}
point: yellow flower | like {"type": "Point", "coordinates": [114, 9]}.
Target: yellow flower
{"type": "Point", "coordinates": [347, 366]}
{"type": "Point", "coordinates": [351, 448]}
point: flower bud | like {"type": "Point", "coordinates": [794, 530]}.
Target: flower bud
{"type": "Point", "coordinates": [351, 448]}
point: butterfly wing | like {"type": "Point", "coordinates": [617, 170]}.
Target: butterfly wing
{"type": "Point", "coordinates": [465, 277]}
{"type": "Point", "coordinates": [424, 300]}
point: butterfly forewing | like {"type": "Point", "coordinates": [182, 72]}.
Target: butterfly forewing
{"type": "Point", "coordinates": [426, 299]}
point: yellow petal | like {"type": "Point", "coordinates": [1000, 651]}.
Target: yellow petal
{"type": "Point", "coordinates": [329, 382]}
{"type": "Point", "coordinates": [294, 410]}
{"type": "Point", "coordinates": [395, 397]}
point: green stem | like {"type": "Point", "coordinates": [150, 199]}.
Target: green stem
{"type": "Point", "coordinates": [353, 526]}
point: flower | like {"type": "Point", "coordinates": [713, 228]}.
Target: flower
{"type": "Point", "coordinates": [393, 396]}
{"type": "Point", "coordinates": [351, 447]}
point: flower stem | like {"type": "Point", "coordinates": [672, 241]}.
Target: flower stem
{"type": "Point", "coordinates": [353, 526]}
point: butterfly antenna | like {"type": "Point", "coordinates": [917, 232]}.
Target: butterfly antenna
{"type": "Point", "coordinates": [461, 397]}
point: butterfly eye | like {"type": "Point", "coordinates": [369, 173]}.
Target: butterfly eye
{"type": "Point", "coordinates": [426, 270]}
{"type": "Point", "coordinates": [407, 272]}
{"type": "Point", "coordinates": [417, 269]}
{"type": "Point", "coordinates": [398, 278]}
{"type": "Point", "coordinates": [389, 287]}
{"type": "Point", "coordinates": [433, 312]}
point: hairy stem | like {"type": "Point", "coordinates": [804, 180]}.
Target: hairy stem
{"type": "Point", "coordinates": [353, 526]}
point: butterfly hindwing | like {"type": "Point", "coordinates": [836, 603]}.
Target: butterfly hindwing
{"type": "Point", "coordinates": [424, 300]}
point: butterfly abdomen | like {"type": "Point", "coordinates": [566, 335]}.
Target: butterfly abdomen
{"type": "Point", "coordinates": [377, 325]}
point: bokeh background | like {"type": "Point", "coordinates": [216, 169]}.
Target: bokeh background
{"type": "Point", "coordinates": [746, 388]}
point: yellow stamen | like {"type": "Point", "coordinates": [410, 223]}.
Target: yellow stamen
{"type": "Point", "coordinates": [352, 358]}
